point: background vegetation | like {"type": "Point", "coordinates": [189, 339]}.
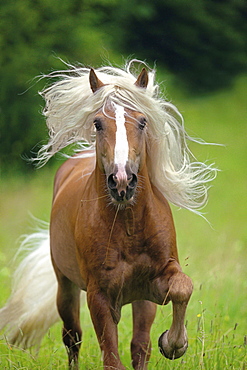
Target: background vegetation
{"type": "Point", "coordinates": [201, 43]}
{"type": "Point", "coordinates": [33, 35]}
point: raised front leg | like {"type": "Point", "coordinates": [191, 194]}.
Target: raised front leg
{"type": "Point", "coordinates": [143, 317]}
{"type": "Point", "coordinates": [173, 343]}
{"type": "Point", "coordinates": [105, 325]}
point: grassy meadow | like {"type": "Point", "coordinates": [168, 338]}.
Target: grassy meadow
{"type": "Point", "coordinates": [213, 253]}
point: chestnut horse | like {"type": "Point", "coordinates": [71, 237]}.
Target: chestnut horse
{"type": "Point", "coordinates": [111, 229]}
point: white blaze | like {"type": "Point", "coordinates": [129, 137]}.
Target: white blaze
{"type": "Point", "coordinates": [122, 145]}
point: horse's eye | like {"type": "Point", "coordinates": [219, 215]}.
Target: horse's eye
{"type": "Point", "coordinates": [142, 123]}
{"type": "Point", "coordinates": [98, 124]}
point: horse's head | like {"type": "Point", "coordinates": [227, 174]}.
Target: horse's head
{"type": "Point", "coordinates": [120, 143]}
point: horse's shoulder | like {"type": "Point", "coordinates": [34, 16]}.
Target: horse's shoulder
{"type": "Point", "coordinates": [72, 169]}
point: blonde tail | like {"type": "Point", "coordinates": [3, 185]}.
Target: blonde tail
{"type": "Point", "coordinates": [31, 309]}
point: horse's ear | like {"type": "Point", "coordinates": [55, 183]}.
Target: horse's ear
{"type": "Point", "coordinates": [142, 80]}
{"type": "Point", "coordinates": [95, 83]}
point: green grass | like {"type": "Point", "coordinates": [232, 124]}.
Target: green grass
{"type": "Point", "coordinates": [213, 256]}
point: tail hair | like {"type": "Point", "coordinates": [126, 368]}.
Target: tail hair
{"type": "Point", "coordinates": [31, 309]}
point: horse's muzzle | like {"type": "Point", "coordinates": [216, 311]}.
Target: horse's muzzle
{"type": "Point", "coordinates": [122, 188]}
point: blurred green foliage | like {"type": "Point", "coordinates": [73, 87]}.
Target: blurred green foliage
{"type": "Point", "coordinates": [202, 42]}
{"type": "Point", "coordinates": [34, 34]}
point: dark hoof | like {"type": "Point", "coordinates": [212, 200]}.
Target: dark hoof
{"type": "Point", "coordinates": [171, 352]}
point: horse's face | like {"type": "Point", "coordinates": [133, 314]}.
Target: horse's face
{"type": "Point", "coordinates": [120, 143]}
{"type": "Point", "coordinates": [120, 146]}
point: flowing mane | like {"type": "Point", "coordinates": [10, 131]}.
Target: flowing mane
{"type": "Point", "coordinates": [71, 106]}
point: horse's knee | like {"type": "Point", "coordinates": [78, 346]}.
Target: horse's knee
{"type": "Point", "coordinates": [180, 288]}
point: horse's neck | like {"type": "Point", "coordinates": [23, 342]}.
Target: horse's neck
{"type": "Point", "coordinates": [145, 192]}
{"type": "Point", "coordinates": [149, 207]}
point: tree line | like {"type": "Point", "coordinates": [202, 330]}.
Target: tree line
{"type": "Point", "coordinates": [203, 43]}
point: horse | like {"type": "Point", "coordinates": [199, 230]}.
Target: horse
{"type": "Point", "coordinates": [111, 233]}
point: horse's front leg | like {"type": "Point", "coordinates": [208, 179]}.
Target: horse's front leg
{"type": "Point", "coordinates": [143, 317]}
{"type": "Point", "coordinates": [173, 343]}
{"type": "Point", "coordinates": [105, 326]}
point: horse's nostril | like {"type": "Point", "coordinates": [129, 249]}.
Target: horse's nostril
{"type": "Point", "coordinates": [133, 181]}
{"type": "Point", "coordinates": [111, 182]}
{"type": "Point", "coordinates": [122, 194]}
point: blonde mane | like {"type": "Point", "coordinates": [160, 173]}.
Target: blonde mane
{"type": "Point", "coordinates": [71, 106]}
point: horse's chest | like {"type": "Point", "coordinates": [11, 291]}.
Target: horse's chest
{"type": "Point", "coordinates": [126, 258]}
{"type": "Point", "coordinates": [127, 275]}
{"type": "Point", "coordinates": [112, 252]}
{"type": "Point", "coordinates": [129, 281]}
